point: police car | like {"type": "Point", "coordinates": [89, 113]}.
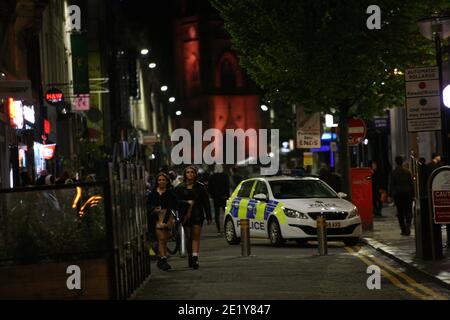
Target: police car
{"type": "Point", "coordinates": [285, 208]}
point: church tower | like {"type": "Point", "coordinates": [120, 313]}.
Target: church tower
{"type": "Point", "coordinates": [210, 84]}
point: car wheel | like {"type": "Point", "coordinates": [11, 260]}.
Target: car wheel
{"type": "Point", "coordinates": [350, 242]}
{"type": "Point", "coordinates": [230, 232]}
{"type": "Point", "coordinates": [275, 233]}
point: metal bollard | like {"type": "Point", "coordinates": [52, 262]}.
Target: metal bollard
{"type": "Point", "coordinates": [245, 237]}
{"type": "Point", "coordinates": [322, 235]}
{"type": "Point", "coordinates": [182, 242]}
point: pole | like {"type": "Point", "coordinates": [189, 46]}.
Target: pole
{"type": "Point", "coordinates": [245, 237]}
{"type": "Point", "coordinates": [322, 235]}
{"type": "Point", "coordinates": [444, 129]}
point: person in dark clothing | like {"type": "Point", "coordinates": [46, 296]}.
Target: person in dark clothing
{"type": "Point", "coordinates": [236, 178]}
{"type": "Point", "coordinates": [194, 209]}
{"type": "Point", "coordinates": [161, 203]}
{"type": "Point", "coordinates": [377, 184]}
{"type": "Point", "coordinates": [219, 190]}
{"type": "Point", "coordinates": [434, 164]}
{"type": "Point", "coordinates": [330, 178]}
{"type": "Point", "coordinates": [401, 188]}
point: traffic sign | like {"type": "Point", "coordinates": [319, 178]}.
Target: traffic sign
{"type": "Point", "coordinates": [423, 104]}
{"type": "Point", "coordinates": [440, 195]}
{"type": "Point", "coordinates": [356, 131]}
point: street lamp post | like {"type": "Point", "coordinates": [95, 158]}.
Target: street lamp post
{"type": "Point", "coordinates": [437, 28]}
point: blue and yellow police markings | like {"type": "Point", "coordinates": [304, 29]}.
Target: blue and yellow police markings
{"type": "Point", "coordinates": [235, 207]}
{"type": "Point", "coordinates": [251, 209]}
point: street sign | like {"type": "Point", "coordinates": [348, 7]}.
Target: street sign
{"type": "Point", "coordinates": [440, 192]}
{"type": "Point", "coordinates": [308, 133]}
{"type": "Point", "coordinates": [356, 131]}
{"type": "Point", "coordinates": [423, 105]}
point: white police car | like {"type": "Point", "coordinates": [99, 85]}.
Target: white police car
{"type": "Point", "coordinates": [285, 208]}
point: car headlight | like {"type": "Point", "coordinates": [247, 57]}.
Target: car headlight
{"type": "Point", "coordinates": [353, 213]}
{"type": "Point", "coordinates": [291, 213]}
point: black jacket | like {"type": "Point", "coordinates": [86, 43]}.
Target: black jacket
{"type": "Point", "coordinates": [167, 201]}
{"type": "Point", "coordinates": [201, 208]}
{"type": "Point", "coordinates": [219, 186]}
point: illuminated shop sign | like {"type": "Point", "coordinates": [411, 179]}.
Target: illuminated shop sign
{"type": "Point", "coordinates": [54, 96]}
{"type": "Point", "coordinates": [20, 116]}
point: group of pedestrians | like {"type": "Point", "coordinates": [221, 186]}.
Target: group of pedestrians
{"type": "Point", "coordinates": [189, 195]}
{"type": "Point", "coordinates": [44, 178]}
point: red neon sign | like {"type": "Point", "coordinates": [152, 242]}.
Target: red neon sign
{"type": "Point", "coordinates": [54, 96]}
{"type": "Point", "coordinates": [47, 127]}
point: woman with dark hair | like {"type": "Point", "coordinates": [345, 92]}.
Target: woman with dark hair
{"type": "Point", "coordinates": [196, 208]}
{"type": "Point", "coordinates": [161, 202]}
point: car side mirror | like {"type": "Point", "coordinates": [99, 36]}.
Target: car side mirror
{"type": "Point", "coordinates": [260, 197]}
{"type": "Point", "coordinates": [342, 195]}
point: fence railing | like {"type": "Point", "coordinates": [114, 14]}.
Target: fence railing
{"type": "Point", "coordinates": [104, 220]}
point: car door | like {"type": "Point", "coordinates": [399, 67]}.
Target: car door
{"type": "Point", "coordinates": [243, 202]}
{"type": "Point", "coordinates": [258, 222]}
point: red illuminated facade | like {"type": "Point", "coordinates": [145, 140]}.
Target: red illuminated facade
{"type": "Point", "coordinates": [211, 86]}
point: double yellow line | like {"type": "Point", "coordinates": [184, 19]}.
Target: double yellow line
{"type": "Point", "coordinates": [395, 276]}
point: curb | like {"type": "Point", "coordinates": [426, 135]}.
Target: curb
{"type": "Point", "coordinates": [373, 244]}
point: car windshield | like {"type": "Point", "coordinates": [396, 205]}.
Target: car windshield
{"type": "Point", "coordinates": [301, 189]}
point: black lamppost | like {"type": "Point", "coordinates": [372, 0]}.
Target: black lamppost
{"type": "Point", "coordinates": [437, 28]}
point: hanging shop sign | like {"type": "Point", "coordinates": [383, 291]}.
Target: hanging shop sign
{"type": "Point", "coordinates": [54, 96]}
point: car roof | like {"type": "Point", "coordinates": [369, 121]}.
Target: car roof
{"type": "Point", "coordinates": [283, 178]}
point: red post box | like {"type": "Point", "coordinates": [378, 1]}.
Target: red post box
{"type": "Point", "coordinates": [361, 181]}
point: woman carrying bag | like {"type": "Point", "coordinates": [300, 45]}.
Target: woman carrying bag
{"type": "Point", "coordinates": [194, 208]}
{"type": "Point", "coordinates": [162, 201]}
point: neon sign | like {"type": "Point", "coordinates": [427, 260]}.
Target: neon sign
{"type": "Point", "coordinates": [54, 96]}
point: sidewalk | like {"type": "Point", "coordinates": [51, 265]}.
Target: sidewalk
{"type": "Point", "coordinates": [385, 237]}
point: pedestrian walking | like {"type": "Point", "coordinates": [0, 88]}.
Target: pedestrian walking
{"type": "Point", "coordinates": [330, 178]}
{"type": "Point", "coordinates": [219, 190]}
{"type": "Point", "coordinates": [434, 164]}
{"type": "Point", "coordinates": [194, 208]}
{"type": "Point", "coordinates": [161, 202]}
{"type": "Point", "coordinates": [236, 178]}
{"type": "Point", "coordinates": [377, 185]}
{"type": "Point", "coordinates": [401, 188]}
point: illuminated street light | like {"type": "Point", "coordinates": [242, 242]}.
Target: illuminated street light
{"type": "Point", "coordinates": [178, 113]}
{"type": "Point", "coordinates": [264, 107]}
{"type": "Point", "coordinates": [446, 96]}
{"type": "Point", "coordinates": [164, 88]}
{"type": "Point", "coordinates": [152, 65]}
{"type": "Point", "coordinates": [172, 99]}
{"type": "Point", "coordinates": [144, 52]}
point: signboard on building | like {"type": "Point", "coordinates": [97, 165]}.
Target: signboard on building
{"type": "Point", "coordinates": [150, 139]}
{"type": "Point", "coordinates": [307, 159]}
{"type": "Point", "coordinates": [54, 96]}
{"type": "Point", "coordinates": [308, 130]}
{"type": "Point", "coordinates": [440, 195]}
{"type": "Point", "coordinates": [423, 106]}
{"type": "Point", "coordinates": [19, 90]}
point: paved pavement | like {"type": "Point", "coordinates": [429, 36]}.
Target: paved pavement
{"type": "Point", "coordinates": [291, 272]}
{"type": "Point", "coordinates": [385, 238]}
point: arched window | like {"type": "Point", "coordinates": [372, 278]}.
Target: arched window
{"type": "Point", "coordinates": [227, 77]}
{"type": "Point", "coordinates": [228, 74]}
